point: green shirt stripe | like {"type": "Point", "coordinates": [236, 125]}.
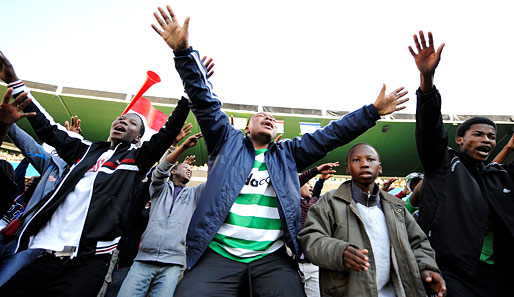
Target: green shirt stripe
{"type": "Point", "coordinates": [253, 222]}
{"type": "Point", "coordinates": [220, 250]}
{"type": "Point", "coordinates": [261, 166]}
{"type": "Point", "coordinates": [257, 199]}
{"type": "Point", "coordinates": [247, 244]}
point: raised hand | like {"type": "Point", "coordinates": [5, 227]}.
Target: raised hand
{"type": "Point", "coordinates": [186, 130]}
{"type": "Point", "coordinates": [326, 170]}
{"type": "Point", "coordinates": [434, 281]}
{"type": "Point", "coordinates": [74, 126]}
{"type": "Point", "coordinates": [192, 140]}
{"type": "Point", "coordinates": [11, 112]}
{"type": "Point", "coordinates": [190, 160]}
{"type": "Point", "coordinates": [427, 58]}
{"type": "Point", "coordinates": [208, 65]}
{"type": "Point", "coordinates": [7, 73]}
{"type": "Point", "coordinates": [355, 259]}
{"type": "Point", "coordinates": [387, 184]}
{"type": "Point", "coordinates": [279, 137]}
{"type": "Point", "coordinates": [386, 104]}
{"type": "Point", "coordinates": [170, 30]}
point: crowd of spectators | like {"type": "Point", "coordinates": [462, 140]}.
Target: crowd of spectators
{"type": "Point", "coordinates": [120, 217]}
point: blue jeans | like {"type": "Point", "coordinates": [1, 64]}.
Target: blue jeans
{"type": "Point", "coordinates": [152, 279]}
{"type": "Point", "coordinates": [11, 263]}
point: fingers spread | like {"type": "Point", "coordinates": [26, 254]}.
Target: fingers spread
{"type": "Point", "coordinates": [159, 20]}
{"type": "Point", "coordinates": [157, 30]}
{"type": "Point", "coordinates": [186, 25]}
{"type": "Point", "coordinates": [412, 51]}
{"type": "Point", "coordinates": [165, 15]}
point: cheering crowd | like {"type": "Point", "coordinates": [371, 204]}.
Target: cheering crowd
{"type": "Point", "coordinates": [118, 218]}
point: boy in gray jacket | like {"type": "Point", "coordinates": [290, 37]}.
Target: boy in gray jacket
{"type": "Point", "coordinates": [365, 241]}
{"type": "Point", "coordinates": [162, 251]}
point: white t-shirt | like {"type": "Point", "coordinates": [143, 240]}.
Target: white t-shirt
{"type": "Point", "coordinates": [65, 226]}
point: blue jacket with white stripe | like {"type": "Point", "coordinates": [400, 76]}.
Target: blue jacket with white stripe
{"type": "Point", "coordinates": [231, 157]}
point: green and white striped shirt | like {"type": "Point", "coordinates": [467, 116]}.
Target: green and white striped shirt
{"type": "Point", "coordinates": [252, 228]}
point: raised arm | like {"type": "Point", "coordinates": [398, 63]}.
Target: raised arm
{"type": "Point", "coordinates": [505, 152]}
{"type": "Point", "coordinates": [326, 171]}
{"type": "Point", "coordinates": [10, 112]}
{"type": "Point", "coordinates": [214, 123]}
{"type": "Point", "coordinates": [314, 146]}
{"type": "Point", "coordinates": [69, 147]}
{"type": "Point", "coordinates": [152, 150]}
{"type": "Point", "coordinates": [190, 142]}
{"type": "Point", "coordinates": [431, 137]}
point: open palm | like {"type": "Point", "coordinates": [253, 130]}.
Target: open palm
{"type": "Point", "coordinates": [170, 30]}
{"type": "Point", "coordinates": [427, 58]}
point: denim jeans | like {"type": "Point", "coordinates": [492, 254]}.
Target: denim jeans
{"type": "Point", "coordinates": [10, 262]}
{"type": "Point", "coordinates": [150, 278]}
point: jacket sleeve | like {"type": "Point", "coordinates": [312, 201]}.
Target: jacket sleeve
{"type": "Point", "coordinates": [198, 191]}
{"type": "Point", "coordinates": [160, 175]}
{"type": "Point", "coordinates": [431, 137]}
{"type": "Point", "coordinates": [34, 152]}
{"type": "Point", "coordinates": [423, 252]}
{"type": "Point", "coordinates": [316, 192]}
{"type": "Point", "coordinates": [318, 244]}
{"type": "Point", "coordinates": [311, 147]}
{"type": "Point", "coordinates": [19, 175]}
{"type": "Point", "coordinates": [214, 123]}
{"type": "Point", "coordinates": [307, 175]}
{"type": "Point", "coordinates": [152, 150]}
{"type": "Point", "coordinates": [69, 147]}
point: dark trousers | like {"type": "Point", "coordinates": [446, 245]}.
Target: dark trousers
{"type": "Point", "coordinates": [488, 281]}
{"type": "Point", "coordinates": [214, 275]}
{"type": "Point", "coordinates": [52, 276]}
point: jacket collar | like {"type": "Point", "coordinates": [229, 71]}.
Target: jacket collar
{"type": "Point", "coordinates": [344, 192]}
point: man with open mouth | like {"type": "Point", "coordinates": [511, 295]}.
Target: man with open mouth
{"type": "Point", "coordinates": [79, 225]}
{"type": "Point", "coordinates": [466, 204]}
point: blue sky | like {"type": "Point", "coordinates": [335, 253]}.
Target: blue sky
{"type": "Point", "coordinates": [310, 54]}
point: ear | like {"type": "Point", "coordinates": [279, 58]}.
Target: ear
{"type": "Point", "coordinates": [137, 139]}
{"type": "Point", "coordinates": [347, 169]}
{"type": "Point", "coordinates": [247, 130]}
{"type": "Point", "coordinates": [380, 169]}
{"type": "Point", "coordinates": [173, 171]}
{"type": "Point", "coordinates": [459, 140]}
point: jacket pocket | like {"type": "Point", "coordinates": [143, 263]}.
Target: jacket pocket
{"type": "Point", "coordinates": [163, 238]}
{"type": "Point", "coordinates": [107, 219]}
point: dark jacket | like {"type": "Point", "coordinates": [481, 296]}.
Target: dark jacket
{"type": "Point", "coordinates": [232, 154]}
{"type": "Point", "coordinates": [458, 195]}
{"type": "Point", "coordinates": [113, 186]}
{"type": "Point", "coordinates": [334, 223]}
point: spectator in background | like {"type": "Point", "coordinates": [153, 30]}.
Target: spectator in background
{"type": "Point", "coordinates": [309, 197]}
{"type": "Point", "coordinates": [364, 241]}
{"type": "Point", "coordinates": [408, 193]}
{"type": "Point", "coordinates": [466, 207]}
{"type": "Point", "coordinates": [162, 251]}
{"type": "Point", "coordinates": [52, 168]}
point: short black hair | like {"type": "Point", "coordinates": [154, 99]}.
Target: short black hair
{"type": "Point", "coordinates": [472, 121]}
{"type": "Point", "coordinates": [359, 144]}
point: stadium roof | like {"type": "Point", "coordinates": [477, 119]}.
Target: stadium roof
{"type": "Point", "coordinates": [392, 136]}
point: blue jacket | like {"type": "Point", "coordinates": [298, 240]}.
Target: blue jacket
{"type": "Point", "coordinates": [232, 154]}
{"type": "Point", "coordinates": [50, 166]}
